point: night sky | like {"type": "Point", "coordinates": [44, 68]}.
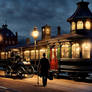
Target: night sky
{"type": "Point", "coordinates": [23, 15]}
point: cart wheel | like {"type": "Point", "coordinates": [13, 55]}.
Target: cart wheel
{"type": "Point", "coordinates": [30, 72]}
{"type": "Point", "coordinates": [8, 73]}
{"type": "Point", "coordinates": [20, 72]}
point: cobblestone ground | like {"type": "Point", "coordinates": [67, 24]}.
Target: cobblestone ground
{"type": "Point", "coordinates": [30, 85]}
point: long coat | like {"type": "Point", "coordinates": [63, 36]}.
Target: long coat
{"type": "Point", "coordinates": [44, 66]}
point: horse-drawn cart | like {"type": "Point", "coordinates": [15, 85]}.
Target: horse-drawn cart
{"type": "Point", "coordinates": [19, 68]}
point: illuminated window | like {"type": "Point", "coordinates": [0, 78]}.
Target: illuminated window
{"type": "Point", "coordinates": [79, 25]}
{"type": "Point", "coordinates": [88, 25]}
{"type": "Point", "coordinates": [33, 54]}
{"type": "Point", "coordinates": [47, 30]}
{"type": "Point", "coordinates": [65, 51]}
{"type": "Point", "coordinates": [2, 55]}
{"type": "Point", "coordinates": [75, 50]}
{"type": "Point", "coordinates": [43, 29]}
{"type": "Point", "coordinates": [27, 55]}
{"type": "Point", "coordinates": [37, 54]}
{"type": "Point", "coordinates": [42, 51]}
{"type": "Point", "coordinates": [73, 25]}
{"type": "Point", "coordinates": [86, 50]}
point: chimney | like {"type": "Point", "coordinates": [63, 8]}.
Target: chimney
{"type": "Point", "coordinates": [16, 37]}
{"type": "Point", "coordinates": [58, 30]}
{"type": "Point", "coordinates": [27, 41]}
{"type": "Point", "coordinates": [16, 34]}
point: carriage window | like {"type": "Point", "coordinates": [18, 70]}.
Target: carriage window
{"type": "Point", "coordinates": [2, 55]}
{"type": "Point", "coordinates": [65, 51]}
{"type": "Point", "coordinates": [75, 50]}
{"type": "Point", "coordinates": [86, 50]}
{"type": "Point", "coordinates": [27, 55]}
{"type": "Point", "coordinates": [32, 54]}
{"type": "Point", "coordinates": [79, 25]}
{"type": "Point", "coordinates": [36, 54]}
{"type": "Point", "coordinates": [42, 51]}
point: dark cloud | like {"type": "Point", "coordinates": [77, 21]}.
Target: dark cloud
{"type": "Point", "coordinates": [23, 15]}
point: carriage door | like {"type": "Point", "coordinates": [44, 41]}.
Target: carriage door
{"type": "Point", "coordinates": [53, 59]}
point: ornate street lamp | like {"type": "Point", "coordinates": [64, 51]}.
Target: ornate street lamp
{"type": "Point", "coordinates": [35, 34]}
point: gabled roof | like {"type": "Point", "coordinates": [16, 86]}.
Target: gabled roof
{"type": "Point", "coordinates": [82, 12]}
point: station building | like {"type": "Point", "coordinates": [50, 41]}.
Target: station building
{"type": "Point", "coordinates": [7, 38]}
{"type": "Point", "coordinates": [77, 45]}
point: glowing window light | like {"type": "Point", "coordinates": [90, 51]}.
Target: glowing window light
{"type": "Point", "coordinates": [27, 51]}
{"type": "Point", "coordinates": [79, 25]}
{"type": "Point", "coordinates": [16, 50]}
{"type": "Point", "coordinates": [75, 50]}
{"type": "Point", "coordinates": [1, 38]}
{"type": "Point", "coordinates": [73, 25]}
{"type": "Point", "coordinates": [88, 25]}
{"type": "Point", "coordinates": [2, 53]}
{"type": "Point", "coordinates": [43, 50]}
{"type": "Point", "coordinates": [86, 49]}
{"type": "Point", "coordinates": [43, 29]}
{"type": "Point", "coordinates": [65, 51]}
{"type": "Point", "coordinates": [47, 30]}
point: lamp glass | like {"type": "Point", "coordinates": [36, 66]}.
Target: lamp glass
{"type": "Point", "coordinates": [35, 33]}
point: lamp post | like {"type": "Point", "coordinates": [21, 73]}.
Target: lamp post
{"type": "Point", "coordinates": [35, 34]}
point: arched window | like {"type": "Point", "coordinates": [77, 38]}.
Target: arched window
{"type": "Point", "coordinates": [73, 25]}
{"type": "Point", "coordinates": [75, 50]}
{"type": "Point", "coordinates": [79, 25]}
{"type": "Point", "coordinates": [27, 55]}
{"type": "Point", "coordinates": [65, 51]}
{"type": "Point", "coordinates": [43, 50]}
{"type": "Point", "coordinates": [86, 49]}
{"type": "Point", "coordinates": [88, 25]}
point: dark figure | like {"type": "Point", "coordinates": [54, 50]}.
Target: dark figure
{"type": "Point", "coordinates": [44, 67]}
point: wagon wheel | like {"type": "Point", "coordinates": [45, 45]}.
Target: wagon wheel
{"type": "Point", "coordinates": [19, 72]}
{"type": "Point", "coordinates": [8, 72]}
{"type": "Point", "coordinates": [30, 72]}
